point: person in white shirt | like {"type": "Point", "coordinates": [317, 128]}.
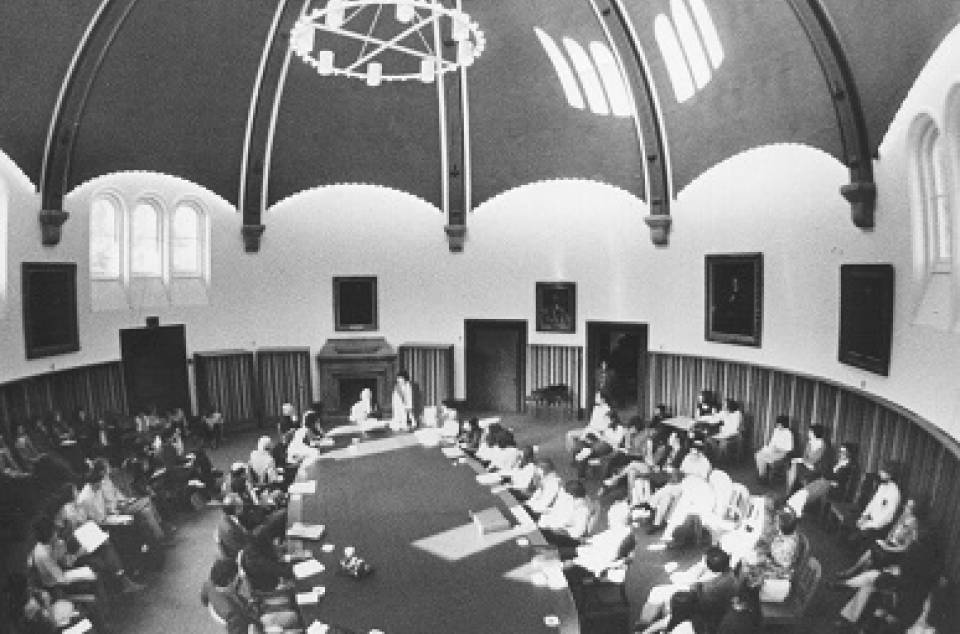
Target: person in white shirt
{"type": "Point", "coordinates": [142, 508]}
{"type": "Point", "coordinates": [730, 420]}
{"type": "Point", "coordinates": [547, 489]}
{"type": "Point", "coordinates": [882, 508]}
{"type": "Point", "coordinates": [404, 417]}
{"type": "Point", "coordinates": [565, 523]}
{"type": "Point", "coordinates": [262, 464]}
{"type": "Point", "coordinates": [523, 479]}
{"type": "Point", "coordinates": [365, 413]}
{"type": "Point", "coordinates": [599, 552]}
{"type": "Point", "coordinates": [506, 455]}
{"type": "Point", "coordinates": [577, 439]}
{"type": "Point", "coordinates": [610, 438]}
{"type": "Point", "coordinates": [780, 445]}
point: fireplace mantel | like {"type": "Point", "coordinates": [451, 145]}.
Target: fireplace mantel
{"type": "Point", "coordinates": [352, 362]}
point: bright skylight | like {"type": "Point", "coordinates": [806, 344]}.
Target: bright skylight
{"type": "Point", "coordinates": [691, 43]}
{"type": "Point", "coordinates": [567, 81]}
{"type": "Point", "coordinates": [673, 57]}
{"type": "Point", "coordinates": [612, 79]}
{"type": "Point", "coordinates": [708, 31]}
{"type": "Point", "coordinates": [588, 77]}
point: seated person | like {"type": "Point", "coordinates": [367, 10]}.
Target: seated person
{"type": "Point", "coordinates": [881, 509]}
{"type": "Point", "coordinates": [522, 480]}
{"type": "Point", "coordinates": [263, 468]}
{"type": "Point", "coordinates": [779, 447]}
{"type": "Point", "coordinates": [599, 552]}
{"type": "Point", "coordinates": [680, 617]}
{"type": "Point", "coordinates": [103, 499]}
{"type": "Point", "coordinates": [8, 464]}
{"type": "Point", "coordinates": [470, 434]}
{"type": "Point", "coordinates": [811, 465]}
{"type": "Point", "coordinates": [695, 465]}
{"type": "Point", "coordinates": [221, 594]}
{"type": "Point", "coordinates": [489, 445]}
{"type": "Point", "coordinates": [760, 526]}
{"type": "Point", "coordinates": [565, 523]}
{"type": "Point", "coordinates": [731, 418]}
{"type": "Point", "coordinates": [213, 422]}
{"type": "Point", "coordinates": [606, 441]}
{"type": "Point", "coordinates": [644, 478]}
{"type": "Point", "coordinates": [506, 456]}
{"type": "Point", "coordinates": [232, 535]}
{"type": "Point", "coordinates": [934, 613]}
{"type": "Point", "coordinates": [33, 610]}
{"type": "Point", "coordinates": [576, 439]}
{"type": "Point", "coordinates": [299, 450]}
{"type": "Point", "coordinates": [830, 483]}
{"type": "Point", "coordinates": [911, 580]}
{"type": "Point", "coordinates": [776, 558]}
{"type": "Point", "coordinates": [710, 581]}
{"type": "Point", "coordinates": [366, 414]}
{"type": "Point", "coordinates": [261, 564]}
{"type": "Point", "coordinates": [448, 420]}
{"type": "Point", "coordinates": [888, 551]}
{"type": "Point", "coordinates": [548, 488]}
{"type": "Point", "coordinates": [25, 447]}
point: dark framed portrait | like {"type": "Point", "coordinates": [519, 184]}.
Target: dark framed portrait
{"type": "Point", "coordinates": [49, 308]}
{"type": "Point", "coordinates": [556, 307]}
{"type": "Point", "coordinates": [355, 303]}
{"type": "Point", "coordinates": [866, 316]}
{"type": "Point", "coordinates": [734, 298]}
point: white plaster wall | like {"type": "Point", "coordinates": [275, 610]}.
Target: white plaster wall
{"type": "Point", "coordinates": [781, 200]}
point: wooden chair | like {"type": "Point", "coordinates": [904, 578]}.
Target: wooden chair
{"type": "Point", "coordinates": [603, 597]}
{"type": "Point", "coordinates": [790, 612]}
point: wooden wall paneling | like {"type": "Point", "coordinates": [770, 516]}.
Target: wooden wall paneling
{"type": "Point", "coordinates": [431, 369]}
{"type": "Point", "coordinates": [283, 375]}
{"type": "Point", "coordinates": [227, 381]}
{"type": "Point", "coordinates": [556, 365]}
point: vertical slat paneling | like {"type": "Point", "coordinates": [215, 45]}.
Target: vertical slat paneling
{"type": "Point", "coordinates": [931, 469]}
{"type": "Point", "coordinates": [555, 365]}
{"type": "Point", "coordinates": [226, 381]}
{"type": "Point", "coordinates": [431, 369]}
{"type": "Point", "coordinates": [283, 375]}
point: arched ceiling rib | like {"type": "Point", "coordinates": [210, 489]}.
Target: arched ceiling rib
{"type": "Point", "coordinates": [37, 43]}
{"type": "Point", "coordinates": [173, 93]}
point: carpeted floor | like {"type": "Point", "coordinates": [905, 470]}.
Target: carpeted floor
{"type": "Point", "coordinates": [170, 604]}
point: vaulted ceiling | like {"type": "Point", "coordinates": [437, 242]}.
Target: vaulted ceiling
{"type": "Point", "coordinates": [90, 87]}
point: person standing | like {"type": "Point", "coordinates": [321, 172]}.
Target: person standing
{"type": "Point", "coordinates": [404, 417]}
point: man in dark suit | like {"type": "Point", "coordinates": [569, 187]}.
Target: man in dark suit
{"type": "Point", "coordinates": [713, 595]}
{"type": "Point", "coordinates": [231, 535]}
{"type": "Point", "coordinates": [220, 593]}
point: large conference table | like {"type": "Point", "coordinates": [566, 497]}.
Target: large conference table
{"type": "Point", "coordinates": [407, 510]}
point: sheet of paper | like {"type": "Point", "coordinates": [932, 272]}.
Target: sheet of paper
{"type": "Point", "coordinates": [318, 628]}
{"type": "Point", "coordinates": [308, 487]}
{"type": "Point", "coordinates": [306, 531]}
{"type": "Point", "coordinates": [83, 626]}
{"type": "Point", "coordinates": [307, 598]}
{"type": "Point", "coordinates": [119, 519]}
{"type": "Point", "coordinates": [452, 452]}
{"type": "Point", "coordinates": [488, 478]}
{"type": "Point", "coordinates": [83, 573]}
{"type": "Point", "coordinates": [90, 536]}
{"type": "Point", "coordinates": [307, 568]}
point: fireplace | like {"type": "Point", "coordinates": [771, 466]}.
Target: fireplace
{"type": "Point", "coordinates": [346, 366]}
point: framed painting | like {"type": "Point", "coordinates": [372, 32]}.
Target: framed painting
{"type": "Point", "coordinates": [556, 307]}
{"type": "Point", "coordinates": [355, 303]}
{"type": "Point", "coordinates": [49, 308]}
{"type": "Point", "coordinates": [866, 316]}
{"type": "Point", "coordinates": [734, 298]}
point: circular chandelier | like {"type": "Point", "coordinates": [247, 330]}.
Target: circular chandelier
{"type": "Point", "coordinates": [386, 40]}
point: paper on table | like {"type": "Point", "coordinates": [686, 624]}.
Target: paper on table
{"type": "Point", "coordinates": [318, 628]}
{"type": "Point", "coordinates": [300, 530]}
{"type": "Point", "coordinates": [83, 626]}
{"type": "Point", "coordinates": [488, 478]}
{"type": "Point", "coordinates": [118, 519]}
{"type": "Point", "coordinates": [307, 598]}
{"type": "Point", "coordinates": [83, 573]}
{"type": "Point", "coordinates": [90, 536]}
{"type": "Point", "coordinates": [307, 568]}
{"type": "Point", "coordinates": [306, 487]}
{"type": "Point", "coordinates": [452, 452]}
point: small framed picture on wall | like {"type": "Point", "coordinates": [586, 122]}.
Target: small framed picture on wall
{"type": "Point", "coordinates": [355, 303]}
{"type": "Point", "coordinates": [556, 307]}
{"type": "Point", "coordinates": [734, 298]}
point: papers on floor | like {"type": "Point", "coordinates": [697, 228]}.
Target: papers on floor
{"type": "Point", "coordinates": [452, 452]}
{"type": "Point", "coordinates": [322, 442]}
{"type": "Point", "coordinates": [318, 628]}
{"type": "Point", "coordinates": [118, 520]}
{"type": "Point", "coordinates": [83, 573]}
{"type": "Point", "coordinates": [90, 536]}
{"type": "Point", "coordinates": [490, 520]}
{"type": "Point", "coordinates": [308, 487]}
{"type": "Point", "coordinates": [83, 626]}
{"type": "Point", "coordinates": [311, 597]}
{"type": "Point", "coordinates": [428, 436]}
{"type": "Point", "coordinates": [488, 478]}
{"type": "Point", "coordinates": [299, 530]}
{"type": "Point", "coordinates": [308, 568]}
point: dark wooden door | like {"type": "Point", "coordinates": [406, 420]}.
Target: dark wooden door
{"type": "Point", "coordinates": [623, 346]}
{"type": "Point", "coordinates": [155, 367]}
{"type": "Point", "coordinates": [495, 364]}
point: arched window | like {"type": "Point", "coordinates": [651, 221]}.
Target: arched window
{"type": "Point", "coordinates": [690, 46]}
{"type": "Point", "coordinates": [186, 241]}
{"type": "Point", "coordinates": [677, 69]}
{"type": "Point", "coordinates": [931, 188]}
{"type": "Point", "coordinates": [145, 241]}
{"type": "Point", "coordinates": [105, 242]}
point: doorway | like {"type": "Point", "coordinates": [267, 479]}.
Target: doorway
{"type": "Point", "coordinates": [495, 364]}
{"type": "Point", "coordinates": [622, 349]}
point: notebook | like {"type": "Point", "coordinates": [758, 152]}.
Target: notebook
{"type": "Point", "coordinates": [90, 536]}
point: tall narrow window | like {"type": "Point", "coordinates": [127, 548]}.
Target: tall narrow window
{"type": "Point", "coordinates": [560, 66]}
{"type": "Point", "coordinates": [673, 57]}
{"type": "Point", "coordinates": [690, 46]}
{"type": "Point", "coordinates": [931, 187]}
{"type": "Point", "coordinates": [145, 241]}
{"type": "Point", "coordinates": [186, 241]}
{"type": "Point", "coordinates": [592, 87]}
{"type": "Point", "coordinates": [613, 81]}
{"type": "Point", "coordinates": [105, 242]}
